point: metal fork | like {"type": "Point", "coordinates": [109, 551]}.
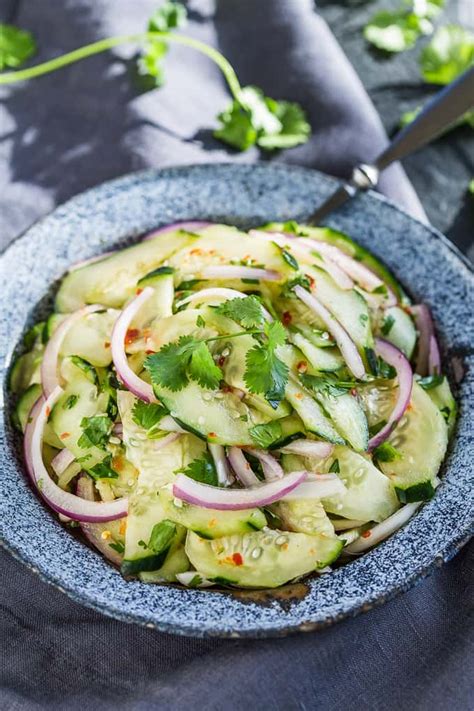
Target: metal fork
{"type": "Point", "coordinates": [442, 111]}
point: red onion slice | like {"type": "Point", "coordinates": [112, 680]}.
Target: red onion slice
{"type": "Point", "coordinates": [29, 429]}
{"type": "Point", "coordinates": [136, 385]}
{"type": "Point", "coordinates": [317, 486]}
{"type": "Point", "coordinates": [61, 461]}
{"type": "Point", "coordinates": [62, 501]}
{"type": "Point", "coordinates": [213, 497]}
{"type": "Point", "coordinates": [215, 295]}
{"type": "Point", "coordinates": [395, 358]}
{"type": "Point", "coordinates": [428, 361]}
{"type": "Point", "coordinates": [242, 468]}
{"type": "Point", "coordinates": [344, 341]}
{"type": "Point", "coordinates": [49, 365]}
{"type": "Point", "coordinates": [308, 448]}
{"type": "Point", "coordinates": [93, 531]}
{"type": "Point", "coordinates": [271, 468]}
{"type": "Point", "coordinates": [191, 226]}
{"type": "Point", "coordinates": [383, 530]}
{"type": "Point", "coordinates": [224, 477]}
{"type": "Point", "coordinates": [231, 271]}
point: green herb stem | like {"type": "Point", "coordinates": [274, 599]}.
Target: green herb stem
{"type": "Point", "coordinates": [110, 42]}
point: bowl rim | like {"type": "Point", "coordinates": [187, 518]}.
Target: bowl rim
{"type": "Point", "coordinates": [444, 553]}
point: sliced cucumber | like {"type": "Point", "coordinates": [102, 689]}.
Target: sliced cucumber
{"type": "Point", "coordinates": [305, 516]}
{"type": "Point", "coordinates": [161, 304]}
{"type": "Point", "coordinates": [89, 338]}
{"type": "Point", "coordinates": [25, 370]}
{"type": "Point", "coordinates": [176, 562]}
{"type": "Point", "coordinates": [398, 328]}
{"type": "Point", "coordinates": [209, 523]}
{"type": "Point", "coordinates": [311, 413]}
{"type": "Point", "coordinates": [421, 439]}
{"type": "Point", "coordinates": [322, 359]}
{"type": "Point", "coordinates": [370, 495]}
{"type": "Point", "coordinates": [221, 420]}
{"type": "Point", "coordinates": [113, 280]}
{"type": "Point", "coordinates": [292, 428]}
{"type": "Point", "coordinates": [348, 417]}
{"type": "Point", "coordinates": [443, 398]}
{"type": "Point", "coordinates": [24, 405]}
{"type": "Point", "coordinates": [264, 559]}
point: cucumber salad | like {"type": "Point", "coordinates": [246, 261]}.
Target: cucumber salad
{"type": "Point", "coordinates": [219, 407]}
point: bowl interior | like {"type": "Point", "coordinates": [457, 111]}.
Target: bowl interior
{"type": "Point", "coordinates": [115, 214]}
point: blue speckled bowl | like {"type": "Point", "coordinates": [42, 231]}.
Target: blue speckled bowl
{"type": "Point", "coordinates": [115, 214]}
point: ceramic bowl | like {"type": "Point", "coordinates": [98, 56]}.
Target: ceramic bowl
{"type": "Point", "coordinates": [116, 214]}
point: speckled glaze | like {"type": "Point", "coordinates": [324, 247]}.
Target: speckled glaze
{"type": "Point", "coordinates": [115, 214]}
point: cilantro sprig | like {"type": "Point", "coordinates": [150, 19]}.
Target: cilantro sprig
{"type": "Point", "coordinates": [398, 30]}
{"type": "Point", "coordinates": [16, 46]}
{"type": "Point", "coordinates": [202, 470]}
{"type": "Point", "coordinates": [265, 373]}
{"type": "Point", "coordinates": [247, 312]}
{"type": "Point", "coordinates": [251, 118]}
{"type": "Point", "coordinates": [95, 431]}
{"type": "Point", "coordinates": [147, 415]}
{"type": "Point", "coordinates": [180, 361]}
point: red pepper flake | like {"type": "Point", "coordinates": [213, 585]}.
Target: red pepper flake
{"type": "Point", "coordinates": [148, 352]}
{"type": "Point", "coordinates": [212, 435]}
{"type": "Point", "coordinates": [106, 344]}
{"type": "Point", "coordinates": [64, 435]}
{"type": "Point", "coordinates": [117, 464]}
{"type": "Point", "coordinates": [302, 366]}
{"type": "Point", "coordinates": [237, 558]}
{"type": "Point", "coordinates": [354, 392]}
{"type": "Point", "coordinates": [196, 252]}
{"type": "Point", "coordinates": [312, 283]}
{"type": "Point", "coordinates": [131, 335]}
{"type": "Point", "coordinates": [287, 318]}
{"type": "Point", "coordinates": [221, 360]}
{"type": "Point", "coordinates": [138, 291]}
{"type": "Point", "coordinates": [48, 411]}
{"type": "Point", "coordinates": [226, 389]}
{"type": "Point", "coordinates": [366, 534]}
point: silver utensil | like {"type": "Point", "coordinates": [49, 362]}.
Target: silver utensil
{"type": "Point", "coordinates": [441, 112]}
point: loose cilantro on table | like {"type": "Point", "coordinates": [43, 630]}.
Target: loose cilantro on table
{"type": "Point", "coordinates": [450, 52]}
{"type": "Point", "coordinates": [16, 46]}
{"type": "Point", "coordinates": [398, 30]}
{"type": "Point", "coordinates": [202, 470]}
{"type": "Point", "coordinates": [147, 415]}
{"type": "Point", "coordinates": [247, 311]}
{"type": "Point", "coordinates": [471, 184]}
{"type": "Point", "coordinates": [251, 118]}
{"type": "Point", "coordinates": [265, 373]}
{"type": "Point", "coordinates": [95, 431]}
{"type": "Point", "coordinates": [265, 435]}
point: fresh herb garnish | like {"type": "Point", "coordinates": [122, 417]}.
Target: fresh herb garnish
{"type": "Point", "coordinates": [250, 119]}
{"type": "Point", "coordinates": [147, 415]}
{"type": "Point", "coordinates": [70, 402]}
{"type": "Point", "coordinates": [161, 536]}
{"type": "Point", "coordinates": [265, 373]}
{"type": "Point", "coordinates": [247, 311]}
{"type": "Point", "coordinates": [299, 280]}
{"type": "Point", "coordinates": [381, 289]}
{"type": "Point", "coordinates": [265, 435]}
{"type": "Point", "coordinates": [202, 470]}
{"type": "Point", "coordinates": [430, 381]}
{"type": "Point", "coordinates": [16, 46]}
{"type": "Point", "coordinates": [95, 431]}
{"type": "Point", "coordinates": [378, 366]}
{"type": "Point", "coordinates": [200, 323]}
{"type": "Point", "coordinates": [387, 324]}
{"type": "Point", "coordinates": [288, 257]}
{"type": "Point", "coordinates": [103, 469]}
{"type": "Point", "coordinates": [326, 384]}
{"type": "Point", "coordinates": [118, 547]}
{"type": "Point", "coordinates": [398, 30]}
{"type": "Point", "coordinates": [449, 53]}
{"type": "Point", "coordinates": [386, 452]}
{"type": "Point", "coordinates": [376, 427]}
{"type": "Point", "coordinates": [177, 362]}
{"type": "Point", "coordinates": [334, 468]}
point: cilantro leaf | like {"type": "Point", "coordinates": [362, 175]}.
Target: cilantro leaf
{"type": "Point", "coordinates": [103, 469]}
{"type": "Point", "coordinates": [203, 369]}
{"type": "Point", "coordinates": [147, 415]}
{"type": "Point", "coordinates": [396, 31]}
{"type": "Point", "coordinates": [386, 452]}
{"type": "Point", "coordinates": [450, 52]}
{"type": "Point", "coordinates": [265, 373]}
{"type": "Point", "coordinates": [200, 323]}
{"type": "Point", "coordinates": [288, 257]}
{"type": "Point", "coordinates": [326, 385]}
{"type": "Point", "coordinates": [117, 546]}
{"type": "Point", "coordinates": [387, 324]}
{"type": "Point", "coordinates": [471, 186]}
{"type": "Point", "coordinates": [257, 119]}
{"type": "Point", "coordinates": [430, 381]}
{"type": "Point", "coordinates": [168, 367]}
{"type": "Point", "coordinates": [161, 536]}
{"type": "Point", "coordinates": [16, 46]}
{"type": "Point", "coordinates": [202, 470]}
{"type": "Point", "coordinates": [265, 435]}
{"type": "Point", "coordinates": [247, 311]}
{"type": "Point", "coordinates": [335, 468]}
{"type": "Point", "coordinates": [70, 402]}
{"type": "Point", "coordinates": [170, 16]}
{"type": "Point", "coordinates": [299, 280]}
{"type": "Point", "coordinates": [95, 431]}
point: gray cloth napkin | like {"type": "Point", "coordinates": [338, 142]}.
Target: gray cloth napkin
{"type": "Point", "coordinates": [70, 131]}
